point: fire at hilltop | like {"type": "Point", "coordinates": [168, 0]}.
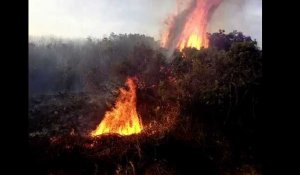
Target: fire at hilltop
{"type": "Point", "coordinates": [187, 28]}
{"type": "Point", "coordinates": [123, 119]}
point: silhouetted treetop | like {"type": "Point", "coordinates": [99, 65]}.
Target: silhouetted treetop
{"type": "Point", "coordinates": [223, 41]}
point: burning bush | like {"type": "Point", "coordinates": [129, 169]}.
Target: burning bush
{"type": "Point", "coordinates": [123, 119]}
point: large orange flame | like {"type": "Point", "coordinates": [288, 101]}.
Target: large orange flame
{"type": "Point", "coordinates": [123, 118]}
{"type": "Point", "coordinates": [192, 31]}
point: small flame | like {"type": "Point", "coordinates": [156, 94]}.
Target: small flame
{"type": "Point", "coordinates": [123, 119]}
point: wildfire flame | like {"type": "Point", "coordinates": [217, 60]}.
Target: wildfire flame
{"type": "Point", "coordinates": [188, 27]}
{"type": "Point", "coordinates": [123, 119]}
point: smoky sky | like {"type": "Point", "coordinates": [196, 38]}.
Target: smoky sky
{"type": "Point", "coordinates": [241, 15]}
{"type": "Point", "coordinates": [97, 18]}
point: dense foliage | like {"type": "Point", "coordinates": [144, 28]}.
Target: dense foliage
{"type": "Point", "coordinates": [220, 91]}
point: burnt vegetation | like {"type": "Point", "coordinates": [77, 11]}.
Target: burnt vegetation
{"type": "Point", "coordinates": [213, 95]}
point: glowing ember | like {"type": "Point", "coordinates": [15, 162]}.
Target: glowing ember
{"type": "Point", "coordinates": [188, 27]}
{"type": "Point", "coordinates": [123, 118]}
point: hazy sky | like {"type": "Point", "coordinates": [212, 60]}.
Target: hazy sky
{"type": "Point", "coordinates": [82, 18]}
{"type": "Point", "coordinates": [241, 15]}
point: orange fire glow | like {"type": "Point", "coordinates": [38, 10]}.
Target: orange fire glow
{"type": "Point", "coordinates": [123, 119]}
{"type": "Point", "coordinates": [193, 32]}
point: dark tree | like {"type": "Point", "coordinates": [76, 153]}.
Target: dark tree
{"type": "Point", "coordinates": [224, 41]}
